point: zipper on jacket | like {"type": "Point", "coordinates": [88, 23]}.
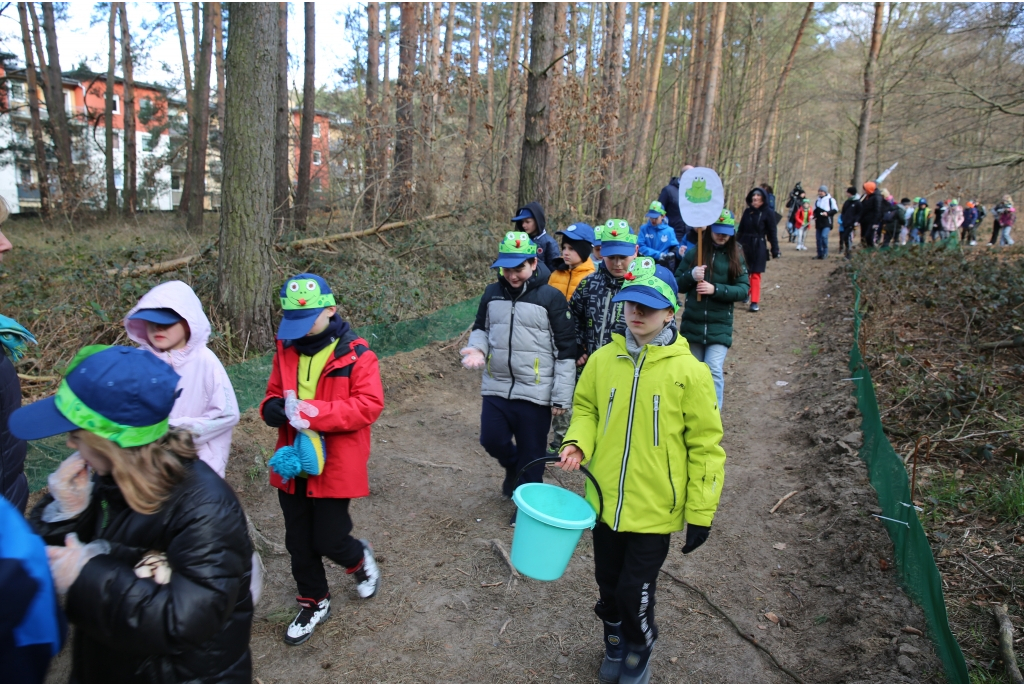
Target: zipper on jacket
{"type": "Point", "coordinates": [608, 414]}
{"type": "Point", "coordinates": [629, 434]}
{"type": "Point", "coordinates": [657, 402]}
{"type": "Point", "coordinates": [668, 462]}
{"type": "Point", "coordinates": [511, 327]}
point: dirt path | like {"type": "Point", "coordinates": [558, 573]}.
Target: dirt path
{"type": "Point", "coordinates": [447, 611]}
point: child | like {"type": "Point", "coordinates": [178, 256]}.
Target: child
{"type": "Point", "coordinates": [656, 238]}
{"type": "Point", "coordinates": [919, 221]}
{"type": "Point", "coordinates": [523, 336]}
{"type": "Point", "coordinates": [530, 219]}
{"type": "Point", "coordinates": [647, 427]}
{"type": "Point", "coordinates": [721, 280]}
{"type": "Point", "coordinates": [334, 379]}
{"type": "Point", "coordinates": [967, 234]}
{"type": "Point", "coordinates": [801, 220]}
{"type": "Point", "coordinates": [169, 322]}
{"type": "Point", "coordinates": [574, 264]}
{"type": "Point", "coordinates": [903, 214]}
{"type": "Point", "coordinates": [595, 255]}
{"type": "Point", "coordinates": [937, 215]}
{"type": "Point", "coordinates": [594, 314]}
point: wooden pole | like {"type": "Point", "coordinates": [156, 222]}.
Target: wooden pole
{"type": "Point", "coordinates": [700, 249]}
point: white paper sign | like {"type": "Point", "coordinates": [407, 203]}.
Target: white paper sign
{"type": "Point", "coordinates": [701, 197]}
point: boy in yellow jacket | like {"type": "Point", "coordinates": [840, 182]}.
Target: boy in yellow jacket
{"type": "Point", "coordinates": [646, 423]}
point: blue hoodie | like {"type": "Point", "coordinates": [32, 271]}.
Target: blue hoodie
{"type": "Point", "coordinates": [656, 240]}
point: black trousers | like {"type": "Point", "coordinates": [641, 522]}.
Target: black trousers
{"type": "Point", "coordinates": [316, 527]}
{"type": "Point", "coordinates": [501, 420]}
{"type": "Point", "coordinates": [626, 567]}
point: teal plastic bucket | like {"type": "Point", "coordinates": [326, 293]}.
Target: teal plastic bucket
{"type": "Point", "coordinates": [549, 525]}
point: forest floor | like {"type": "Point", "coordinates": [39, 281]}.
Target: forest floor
{"type": "Point", "coordinates": [448, 610]}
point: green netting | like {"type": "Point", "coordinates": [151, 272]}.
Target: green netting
{"type": "Point", "coordinates": [250, 378]}
{"type": "Point", "coordinates": [912, 551]}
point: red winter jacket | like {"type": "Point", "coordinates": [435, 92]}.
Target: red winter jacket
{"type": "Point", "coordinates": [350, 397]}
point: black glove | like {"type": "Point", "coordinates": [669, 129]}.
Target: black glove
{"type": "Point", "coordinates": [695, 537]}
{"type": "Point", "coordinates": [273, 412]}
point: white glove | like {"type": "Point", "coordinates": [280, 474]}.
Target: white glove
{"type": "Point", "coordinates": [68, 561]}
{"type": "Point", "coordinates": [294, 408]}
{"type": "Point", "coordinates": [71, 487]}
{"type": "Point", "coordinates": [154, 565]}
{"type": "Point", "coordinates": [472, 358]}
{"type": "Point", "coordinates": [698, 273]}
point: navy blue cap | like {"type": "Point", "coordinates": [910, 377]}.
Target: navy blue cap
{"type": "Point", "coordinates": [303, 297]}
{"type": "Point", "coordinates": [126, 385]}
{"type": "Point", "coordinates": [579, 231]}
{"type": "Point", "coordinates": [163, 317]}
{"type": "Point", "coordinates": [524, 213]}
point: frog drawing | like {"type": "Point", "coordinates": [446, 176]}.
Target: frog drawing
{"type": "Point", "coordinates": [698, 192]}
{"type": "Point", "coordinates": [304, 293]}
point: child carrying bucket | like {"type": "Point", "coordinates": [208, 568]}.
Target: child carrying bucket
{"type": "Point", "coordinates": [646, 425]}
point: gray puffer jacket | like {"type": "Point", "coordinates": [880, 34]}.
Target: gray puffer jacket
{"type": "Point", "coordinates": [527, 337]}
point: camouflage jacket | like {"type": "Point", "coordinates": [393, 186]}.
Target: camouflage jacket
{"type": "Point", "coordinates": [594, 314]}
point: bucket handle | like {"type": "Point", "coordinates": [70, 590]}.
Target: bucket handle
{"type": "Point", "coordinates": [600, 497]}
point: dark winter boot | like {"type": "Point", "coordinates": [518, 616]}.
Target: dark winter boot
{"type": "Point", "coordinates": [614, 649]}
{"type": "Point", "coordinates": [636, 665]}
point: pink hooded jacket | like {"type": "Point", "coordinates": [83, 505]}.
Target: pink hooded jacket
{"type": "Point", "coordinates": [207, 405]}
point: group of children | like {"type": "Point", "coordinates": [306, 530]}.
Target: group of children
{"type": "Point", "coordinates": [596, 351]}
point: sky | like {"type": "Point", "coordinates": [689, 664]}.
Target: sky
{"type": "Point", "coordinates": [83, 36]}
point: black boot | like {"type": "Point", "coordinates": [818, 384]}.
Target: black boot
{"type": "Point", "coordinates": [636, 666]}
{"type": "Point", "coordinates": [614, 649]}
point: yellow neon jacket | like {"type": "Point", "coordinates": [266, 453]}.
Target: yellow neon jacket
{"type": "Point", "coordinates": [650, 433]}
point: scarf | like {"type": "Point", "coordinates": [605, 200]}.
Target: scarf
{"type": "Point", "coordinates": [666, 337]}
{"type": "Point", "coordinates": [14, 338]}
{"type": "Point", "coordinates": [311, 344]}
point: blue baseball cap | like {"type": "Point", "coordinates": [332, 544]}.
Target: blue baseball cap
{"type": "Point", "coordinates": [617, 240]}
{"type": "Point", "coordinates": [303, 297]}
{"type": "Point", "coordinates": [650, 285]}
{"type": "Point", "coordinates": [579, 231]}
{"type": "Point", "coordinates": [163, 317]}
{"type": "Point", "coordinates": [726, 224]}
{"type": "Point", "coordinates": [123, 394]}
{"type": "Point", "coordinates": [524, 213]}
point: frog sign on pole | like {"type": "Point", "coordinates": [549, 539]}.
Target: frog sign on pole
{"type": "Point", "coordinates": [701, 200]}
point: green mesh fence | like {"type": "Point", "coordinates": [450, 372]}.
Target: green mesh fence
{"type": "Point", "coordinates": [911, 548]}
{"type": "Point", "coordinates": [250, 377]}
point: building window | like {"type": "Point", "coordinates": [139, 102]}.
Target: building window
{"type": "Point", "coordinates": [175, 182]}
{"type": "Point", "coordinates": [146, 110]}
{"type": "Point", "coordinates": [24, 175]}
{"type": "Point", "coordinates": [316, 158]}
{"type": "Point", "coordinates": [117, 142]}
{"type": "Point", "coordinates": [18, 92]}
{"type": "Point", "coordinates": [67, 103]}
{"type": "Point", "coordinates": [117, 104]}
{"type": "Point", "coordinates": [21, 133]}
{"type": "Point", "coordinates": [119, 180]}
{"type": "Point", "coordinates": [316, 130]}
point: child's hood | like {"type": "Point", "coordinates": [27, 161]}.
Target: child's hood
{"type": "Point", "coordinates": [538, 215]}
{"type": "Point", "coordinates": [179, 297]}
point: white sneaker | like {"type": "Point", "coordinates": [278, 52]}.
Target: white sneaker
{"type": "Point", "coordinates": [367, 575]}
{"type": "Point", "coordinates": [973, 242]}
{"type": "Point", "coordinates": [311, 614]}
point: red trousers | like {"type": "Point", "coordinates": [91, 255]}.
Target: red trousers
{"type": "Point", "coordinates": [755, 288]}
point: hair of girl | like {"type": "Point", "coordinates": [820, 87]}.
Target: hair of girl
{"type": "Point", "coordinates": [731, 250]}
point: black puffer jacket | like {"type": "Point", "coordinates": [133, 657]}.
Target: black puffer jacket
{"type": "Point", "coordinates": [757, 228]}
{"type": "Point", "coordinates": [129, 629]}
{"type": "Point", "coordinates": [13, 486]}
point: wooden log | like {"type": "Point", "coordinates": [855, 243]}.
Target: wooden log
{"type": "Point", "coordinates": [324, 240]}
{"type": "Point", "coordinates": [1006, 644]}
{"type": "Point", "coordinates": [159, 267]}
{"type": "Point", "coordinates": [1002, 344]}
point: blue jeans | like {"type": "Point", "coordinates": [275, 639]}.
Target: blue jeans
{"type": "Point", "coordinates": [714, 357]}
{"type": "Point", "coordinates": [822, 240]}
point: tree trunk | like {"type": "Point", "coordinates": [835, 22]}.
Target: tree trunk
{"type": "Point", "coordinates": [653, 81]}
{"type": "Point", "coordinates": [108, 113]}
{"type": "Point", "coordinates": [610, 124]}
{"type": "Point", "coordinates": [387, 60]}
{"type": "Point", "coordinates": [371, 175]}
{"type": "Point", "coordinates": [282, 123]}
{"type": "Point", "coordinates": [864, 128]}
{"type": "Point", "coordinates": [552, 113]}
{"type": "Point", "coordinates": [201, 132]}
{"type": "Point", "coordinates": [768, 132]}
{"type": "Point", "coordinates": [696, 102]}
{"type": "Point", "coordinates": [128, 192]}
{"type": "Point", "coordinates": [473, 80]}
{"type": "Point", "coordinates": [33, 107]}
{"type": "Point", "coordinates": [308, 115]}
{"type": "Point", "coordinates": [40, 54]}
{"type": "Point", "coordinates": [435, 69]}
{"type": "Point", "coordinates": [55, 106]}
{"type": "Point", "coordinates": [490, 79]}
{"type": "Point", "coordinates": [190, 110]}
{"type": "Point", "coordinates": [533, 184]}
{"type": "Point", "coordinates": [511, 96]}
{"type": "Point", "coordinates": [405, 133]}
{"type": "Point", "coordinates": [218, 35]}
{"type": "Point", "coordinates": [449, 37]}
{"type": "Point", "coordinates": [679, 118]}
{"type": "Point", "coordinates": [634, 67]}
{"type": "Point", "coordinates": [714, 71]}
{"type": "Point", "coordinates": [246, 256]}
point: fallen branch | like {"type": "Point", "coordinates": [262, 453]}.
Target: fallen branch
{"type": "Point", "coordinates": [749, 638]}
{"type": "Point", "coordinates": [261, 542]}
{"type": "Point", "coordinates": [38, 379]}
{"type": "Point", "coordinates": [781, 501]}
{"type": "Point", "coordinates": [1006, 644]}
{"type": "Point", "coordinates": [431, 464]}
{"type": "Point", "coordinates": [323, 240]}
{"type": "Point", "coordinates": [500, 550]}
{"type": "Point", "coordinates": [985, 573]}
{"type": "Point", "coordinates": [1002, 344]}
{"type": "Point", "coordinates": [159, 267]}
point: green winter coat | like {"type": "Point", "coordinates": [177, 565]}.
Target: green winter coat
{"type": "Point", "coordinates": [709, 322]}
{"type": "Point", "coordinates": [650, 432]}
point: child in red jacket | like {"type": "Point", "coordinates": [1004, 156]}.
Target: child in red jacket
{"type": "Point", "coordinates": [323, 395]}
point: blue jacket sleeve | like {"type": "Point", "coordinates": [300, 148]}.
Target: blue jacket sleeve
{"type": "Point", "coordinates": [646, 241]}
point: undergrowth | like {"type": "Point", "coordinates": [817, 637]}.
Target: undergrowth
{"type": "Point", "coordinates": [942, 333]}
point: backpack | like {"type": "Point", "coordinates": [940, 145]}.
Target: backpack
{"type": "Point", "coordinates": [1007, 217]}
